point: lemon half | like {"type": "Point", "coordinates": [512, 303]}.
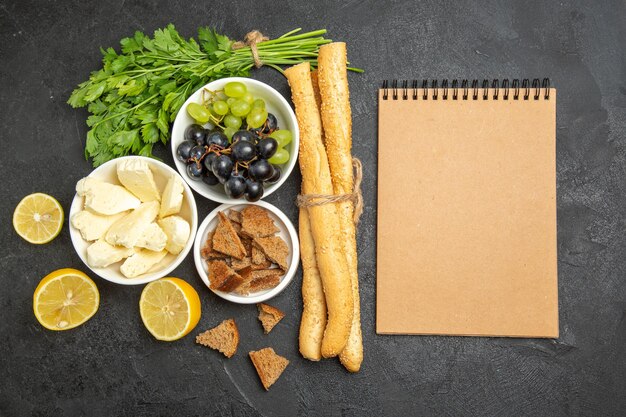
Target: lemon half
{"type": "Point", "coordinates": [38, 218]}
{"type": "Point", "coordinates": [170, 308]}
{"type": "Point", "coordinates": [64, 299]}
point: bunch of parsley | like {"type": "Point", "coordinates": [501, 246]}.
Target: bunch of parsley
{"type": "Point", "coordinates": [138, 92]}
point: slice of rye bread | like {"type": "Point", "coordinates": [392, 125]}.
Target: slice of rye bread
{"type": "Point", "coordinates": [261, 273]}
{"type": "Point", "coordinates": [247, 244]}
{"type": "Point", "coordinates": [258, 257]}
{"type": "Point", "coordinates": [256, 222]}
{"type": "Point", "coordinates": [269, 365]}
{"type": "Point", "coordinates": [264, 265]}
{"type": "Point", "coordinates": [222, 277]}
{"type": "Point", "coordinates": [234, 216]}
{"type": "Point", "coordinates": [224, 337]}
{"type": "Point", "coordinates": [246, 275]}
{"type": "Point", "coordinates": [269, 316]}
{"type": "Point", "coordinates": [207, 251]}
{"type": "Point", "coordinates": [274, 248]}
{"type": "Point", "coordinates": [226, 240]}
{"type": "Point", "coordinates": [238, 264]}
{"type": "Point", "coordinates": [263, 283]}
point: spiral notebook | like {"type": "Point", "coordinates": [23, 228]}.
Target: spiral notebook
{"type": "Point", "coordinates": [467, 208]}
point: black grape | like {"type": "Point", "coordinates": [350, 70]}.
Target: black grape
{"type": "Point", "coordinates": [266, 148]}
{"type": "Point", "coordinates": [195, 133]}
{"type": "Point", "coordinates": [254, 190]}
{"type": "Point", "coordinates": [222, 166]}
{"type": "Point", "coordinates": [183, 150]}
{"type": "Point", "coordinates": [260, 170]}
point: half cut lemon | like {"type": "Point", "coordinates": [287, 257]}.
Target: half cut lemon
{"type": "Point", "coordinates": [64, 299]}
{"type": "Point", "coordinates": [170, 308]}
{"type": "Point", "coordinates": [38, 218]}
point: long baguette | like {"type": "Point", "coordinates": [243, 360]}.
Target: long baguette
{"type": "Point", "coordinates": [337, 123]}
{"type": "Point", "coordinates": [324, 219]}
{"type": "Point", "coordinates": [314, 313]}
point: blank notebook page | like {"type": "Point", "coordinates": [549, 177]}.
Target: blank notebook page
{"type": "Point", "coordinates": [467, 216]}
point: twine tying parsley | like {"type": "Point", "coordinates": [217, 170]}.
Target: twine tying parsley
{"type": "Point", "coordinates": [251, 39]}
{"type": "Point", "coordinates": [356, 197]}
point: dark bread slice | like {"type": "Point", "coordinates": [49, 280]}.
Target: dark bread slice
{"type": "Point", "coordinates": [260, 273]}
{"type": "Point", "coordinates": [258, 257]}
{"type": "Point", "coordinates": [269, 316]}
{"type": "Point", "coordinates": [269, 365]}
{"type": "Point", "coordinates": [247, 244]}
{"type": "Point", "coordinates": [256, 222]}
{"type": "Point", "coordinates": [234, 216]}
{"type": "Point", "coordinates": [224, 337]}
{"type": "Point", "coordinates": [226, 240]}
{"type": "Point", "coordinates": [222, 277]}
{"type": "Point", "coordinates": [263, 283]}
{"type": "Point", "coordinates": [274, 248]}
{"type": "Point", "coordinates": [238, 264]}
{"type": "Point", "coordinates": [207, 251]}
{"type": "Point", "coordinates": [264, 265]}
{"type": "Point", "coordinates": [246, 275]}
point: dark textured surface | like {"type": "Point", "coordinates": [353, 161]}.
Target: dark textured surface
{"type": "Point", "coordinates": [112, 366]}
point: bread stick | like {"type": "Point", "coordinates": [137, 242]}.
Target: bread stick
{"type": "Point", "coordinates": [314, 313]}
{"type": "Point", "coordinates": [324, 219]}
{"type": "Point", "coordinates": [337, 123]}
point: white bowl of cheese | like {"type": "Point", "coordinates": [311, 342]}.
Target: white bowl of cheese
{"type": "Point", "coordinates": [128, 223]}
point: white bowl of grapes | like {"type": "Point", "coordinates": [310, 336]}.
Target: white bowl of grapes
{"type": "Point", "coordinates": [235, 139]}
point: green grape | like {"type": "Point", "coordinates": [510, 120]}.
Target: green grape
{"type": "Point", "coordinates": [256, 118]}
{"type": "Point", "coordinates": [280, 157]}
{"type": "Point", "coordinates": [235, 89]}
{"type": "Point", "coordinates": [229, 132]}
{"type": "Point", "coordinates": [198, 112]}
{"type": "Point", "coordinates": [240, 108]}
{"type": "Point", "coordinates": [248, 98]}
{"type": "Point", "coordinates": [231, 121]}
{"type": "Point", "coordinates": [220, 107]}
{"type": "Point", "coordinates": [212, 111]}
{"type": "Point", "coordinates": [282, 136]}
{"type": "Point", "coordinates": [221, 96]}
{"type": "Point", "coordinates": [230, 101]}
{"type": "Point", "coordinates": [258, 104]}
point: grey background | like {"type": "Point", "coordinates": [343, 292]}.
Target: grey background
{"type": "Point", "coordinates": [112, 366]}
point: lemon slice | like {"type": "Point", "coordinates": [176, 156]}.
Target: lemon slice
{"type": "Point", "coordinates": [38, 218]}
{"type": "Point", "coordinates": [170, 308]}
{"type": "Point", "coordinates": [64, 299]}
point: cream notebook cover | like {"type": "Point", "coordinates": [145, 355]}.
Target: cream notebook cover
{"type": "Point", "coordinates": [467, 210]}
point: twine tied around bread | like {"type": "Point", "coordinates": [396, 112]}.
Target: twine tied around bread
{"type": "Point", "coordinates": [356, 197]}
{"type": "Point", "coordinates": [251, 39]}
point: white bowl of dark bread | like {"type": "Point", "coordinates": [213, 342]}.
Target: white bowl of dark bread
{"type": "Point", "coordinates": [286, 231]}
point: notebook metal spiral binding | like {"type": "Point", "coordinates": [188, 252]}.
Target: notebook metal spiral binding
{"type": "Point", "coordinates": [535, 89]}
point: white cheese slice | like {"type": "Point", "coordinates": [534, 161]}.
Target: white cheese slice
{"type": "Point", "coordinates": [153, 238]}
{"type": "Point", "coordinates": [105, 198]}
{"type": "Point", "coordinates": [141, 262]}
{"type": "Point", "coordinates": [100, 254]}
{"type": "Point", "coordinates": [93, 226]}
{"type": "Point", "coordinates": [128, 230]}
{"type": "Point", "coordinates": [177, 230]}
{"type": "Point", "coordinates": [136, 176]}
{"type": "Point", "coordinates": [172, 199]}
